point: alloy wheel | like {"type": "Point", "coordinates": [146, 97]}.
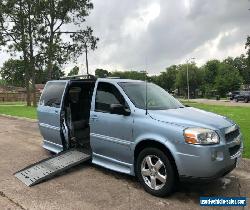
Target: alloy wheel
{"type": "Point", "coordinates": [153, 172]}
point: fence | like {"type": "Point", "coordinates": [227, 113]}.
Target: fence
{"type": "Point", "coordinates": [12, 96]}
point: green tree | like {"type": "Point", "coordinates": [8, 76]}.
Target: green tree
{"type": "Point", "coordinates": [57, 14]}
{"type": "Point", "coordinates": [2, 82]}
{"type": "Point", "coordinates": [35, 31]}
{"type": "Point", "coordinates": [74, 71]}
{"type": "Point", "coordinates": [247, 75]}
{"type": "Point", "coordinates": [240, 63]}
{"type": "Point", "coordinates": [167, 78]}
{"type": "Point", "coordinates": [101, 73]}
{"type": "Point", "coordinates": [210, 70]}
{"type": "Point", "coordinates": [22, 35]}
{"type": "Point", "coordinates": [136, 75]}
{"type": "Point", "coordinates": [85, 41]}
{"type": "Point", "coordinates": [227, 79]}
{"type": "Point", "coordinates": [195, 79]}
{"type": "Point", "coordinates": [13, 72]}
{"type": "Point", "coordinates": [57, 73]}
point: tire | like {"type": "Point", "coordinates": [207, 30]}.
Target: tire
{"type": "Point", "coordinates": [150, 179]}
{"type": "Point", "coordinates": [246, 100]}
{"type": "Point", "coordinates": [236, 100]}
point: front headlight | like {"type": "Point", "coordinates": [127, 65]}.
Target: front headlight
{"type": "Point", "coordinates": [201, 136]}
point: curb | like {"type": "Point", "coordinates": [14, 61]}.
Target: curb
{"type": "Point", "coordinates": [18, 118]}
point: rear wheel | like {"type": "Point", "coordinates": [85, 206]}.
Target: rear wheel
{"type": "Point", "coordinates": [236, 100]}
{"type": "Point", "coordinates": [246, 100]}
{"type": "Point", "coordinates": [155, 172]}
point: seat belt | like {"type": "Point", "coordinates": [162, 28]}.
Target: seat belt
{"type": "Point", "coordinates": [69, 120]}
{"type": "Point", "coordinates": [65, 131]}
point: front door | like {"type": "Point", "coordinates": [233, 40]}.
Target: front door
{"type": "Point", "coordinates": [111, 134]}
{"type": "Point", "coordinates": [49, 115]}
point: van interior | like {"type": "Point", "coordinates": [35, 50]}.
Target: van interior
{"type": "Point", "coordinates": [76, 109]}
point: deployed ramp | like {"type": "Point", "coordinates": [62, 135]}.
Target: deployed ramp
{"type": "Point", "coordinates": [49, 167]}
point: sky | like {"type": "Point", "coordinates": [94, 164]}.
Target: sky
{"type": "Point", "coordinates": [154, 34]}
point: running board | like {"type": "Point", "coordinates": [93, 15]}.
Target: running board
{"type": "Point", "coordinates": [49, 167]}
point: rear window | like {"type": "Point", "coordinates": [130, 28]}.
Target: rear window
{"type": "Point", "coordinates": [52, 94]}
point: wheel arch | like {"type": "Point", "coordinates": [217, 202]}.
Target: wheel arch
{"type": "Point", "coordinates": [146, 143]}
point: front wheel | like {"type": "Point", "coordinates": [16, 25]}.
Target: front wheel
{"type": "Point", "coordinates": [155, 172]}
{"type": "Point", "coordinates": [246, 100]}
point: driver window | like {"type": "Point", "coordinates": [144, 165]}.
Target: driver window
{"type": "Point", "coordinates": [106, 95]}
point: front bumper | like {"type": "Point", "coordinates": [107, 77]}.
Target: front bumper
{"type": "Point", "coordinates": [219, 174]}
{"type": "Point", "coordinates": [208, 161]}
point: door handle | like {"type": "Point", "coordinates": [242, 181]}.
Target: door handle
{"type": "Point", "coordinates": [94, 117]}
{"type": "Point", "coordinates": [56, 111]}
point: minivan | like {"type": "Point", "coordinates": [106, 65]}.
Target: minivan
{"type": "Point", "coordinates": [138, 128]}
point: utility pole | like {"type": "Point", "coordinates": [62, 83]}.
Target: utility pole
{"type": "Point", "coordinates": [86, 59]}
{"type": "Point", "coordinates": [188, 77]}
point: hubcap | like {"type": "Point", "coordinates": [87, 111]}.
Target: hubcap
{"type": "Point", "coordinates": [153, 172]}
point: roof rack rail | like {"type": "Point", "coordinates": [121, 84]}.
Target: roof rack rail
{"type": "Point", "coordinates": [84, 76]}
{"type": "Point", "coordinates": [112, 77]}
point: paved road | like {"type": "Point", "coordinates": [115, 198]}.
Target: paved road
{"type": "Point", "coordinates": [220, 102]}
{"type": "Point", "coordinates": [88, 186]}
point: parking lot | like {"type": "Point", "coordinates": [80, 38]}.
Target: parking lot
{"type": "Point", "coordinates": [90, 187]}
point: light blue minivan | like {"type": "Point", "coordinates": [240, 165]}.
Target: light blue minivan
{"type": "Point", "coordinates": [137, 128]}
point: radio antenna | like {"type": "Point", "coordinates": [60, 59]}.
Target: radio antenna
{"type": "Point", "coordinates": [146, 87]}
{"type": "Point", "coordinates": [146, 105]}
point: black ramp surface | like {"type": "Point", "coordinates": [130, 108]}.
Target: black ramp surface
{"type": "Point", "coordinates": [50, 167]}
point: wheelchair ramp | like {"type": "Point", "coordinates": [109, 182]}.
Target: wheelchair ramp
{"type": "Point", "coordinates": [49, 167]}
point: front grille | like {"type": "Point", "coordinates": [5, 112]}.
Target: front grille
{"type": "Point", "coordinates": [232, 135]}
{"type": "Point", "coordinates": [233, 150]}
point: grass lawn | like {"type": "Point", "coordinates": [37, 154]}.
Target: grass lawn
{"type": "Point", "coordinates": [241, 115]}
{"type": "Point", "coordinates": [18, 110]}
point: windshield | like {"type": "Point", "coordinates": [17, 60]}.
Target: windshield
{"type": "Point", "coordinates": [157, 98]}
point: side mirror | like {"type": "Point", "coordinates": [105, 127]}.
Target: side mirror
{"type": "Point", "coordinates": [119, 109]}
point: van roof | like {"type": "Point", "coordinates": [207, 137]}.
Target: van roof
{"type": "Point", "coordinates": [117, 80]}
{"type": "Point", "coordinates": [114, 80]}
